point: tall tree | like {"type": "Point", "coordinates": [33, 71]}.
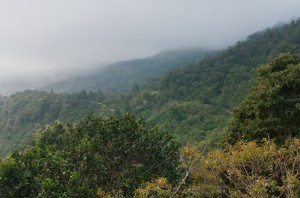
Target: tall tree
{"type": "Point", "coordinates": [110, 154]}
{"type": "Point", "coordinates": [272, 107]}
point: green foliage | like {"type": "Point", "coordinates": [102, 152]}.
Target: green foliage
{"type": "Point", "coordinates": [195, 101]}
{"type": "Point", "coordinates": [271, 109]}
{"type": "Point", "coordinates": [112, 154]}
{"type": "Point", "coordinates": [25, 112]}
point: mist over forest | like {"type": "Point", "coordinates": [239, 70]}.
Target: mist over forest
{"type": "Point", "coordinates": [51, 41]}
{"type": "Point", "coordinates": [150, 99]}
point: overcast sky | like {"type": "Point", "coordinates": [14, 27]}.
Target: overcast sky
{"type": "Point", "coordinates": [61, 36]}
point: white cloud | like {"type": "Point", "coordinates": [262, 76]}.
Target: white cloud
{"type": "Point", "coordinates": [47, 37]}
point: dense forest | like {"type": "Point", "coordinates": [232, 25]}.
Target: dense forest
{"type": "Point", "coordinates": [194, 101]}
{"type": "Point", "coordinates": [225, 126]}
{"type": "Point", "coordinates": [122, 157]}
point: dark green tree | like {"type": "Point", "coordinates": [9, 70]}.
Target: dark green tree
{"type": "Point", "coordinates": [112, 154]}
{"type": "Point", "coordinates": [272, 107]}
{"type": "Point", "coordinates": [135, 88]}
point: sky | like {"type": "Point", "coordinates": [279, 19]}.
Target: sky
{"type": "Point", "coordinates": [47, 40]}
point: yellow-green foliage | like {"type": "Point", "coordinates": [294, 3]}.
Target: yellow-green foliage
{"type": "Point", "coordinates": [249, 170]}
{"type": "Point", "coordinates": [243, 170]}
{"type": "Point", "coordinates": [157, 188]}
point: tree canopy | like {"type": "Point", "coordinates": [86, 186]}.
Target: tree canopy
{"type": "Point", "coordinates": [272, 107]}
{"type": "Point", "coordinates": [97, 154]}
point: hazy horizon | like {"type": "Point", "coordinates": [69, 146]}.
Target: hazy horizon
{"type": "Point", "coordinates": [44, 41]}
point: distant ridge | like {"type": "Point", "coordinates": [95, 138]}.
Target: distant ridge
{"type": "Point", "coordinates": [120, 76]}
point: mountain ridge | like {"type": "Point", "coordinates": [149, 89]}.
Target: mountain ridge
{"type": "Point", "coordinates": [120, 76]}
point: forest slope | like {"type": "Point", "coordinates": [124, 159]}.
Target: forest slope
{"type": "Point", "coordinates": [122, 157]}
{"type": "Point", "coordinates": [193, 101]}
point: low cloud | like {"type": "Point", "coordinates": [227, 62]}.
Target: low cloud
{"type": "Point", "coordinates": [50, 39]}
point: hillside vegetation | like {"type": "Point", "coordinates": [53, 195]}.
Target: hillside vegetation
{"type": "Point", "coordinates": [194, 101]}
{"type": "Point", "coordinates": [25, 112]}
{"type": "Point", "coordinates": [122, 157]}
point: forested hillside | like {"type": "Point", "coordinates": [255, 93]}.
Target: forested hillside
{"type": "Point", "coordinates": [194, 101]}
{"type": "Point", "coordinates": [121, 157]}
{"type": "Point", "coordinates": [119, 77]}
{"type": "Point", "coordinates": [24, 112]}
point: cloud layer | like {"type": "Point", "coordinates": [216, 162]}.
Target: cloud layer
{"type": "Point", "coordinates": [52, 38]}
